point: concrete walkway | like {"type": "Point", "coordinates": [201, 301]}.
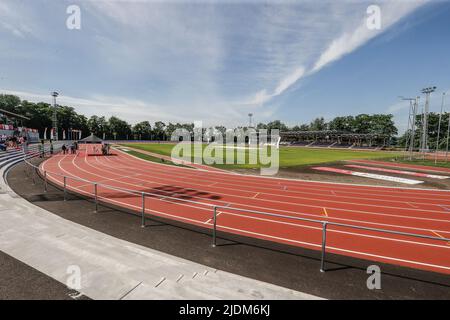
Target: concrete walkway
{"type": "Point", "coordinates": [111, 268]}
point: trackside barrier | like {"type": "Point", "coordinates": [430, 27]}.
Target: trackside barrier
{"type": "Point", "coordinates": [324, 224]}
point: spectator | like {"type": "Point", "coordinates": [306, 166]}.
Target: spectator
{"type": "Point", "coordinates": [64, 148]}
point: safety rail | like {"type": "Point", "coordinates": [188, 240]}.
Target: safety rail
{"type": "Point", "coordinates": [215, 208]}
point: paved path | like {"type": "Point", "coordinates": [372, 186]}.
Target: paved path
{"type": "Point", "coordinates": [112, 268]}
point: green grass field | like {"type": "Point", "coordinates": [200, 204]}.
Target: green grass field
{"type": "Point", "coordinates": [289, 156]}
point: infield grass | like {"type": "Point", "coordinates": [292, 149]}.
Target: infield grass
{"type": "Point", "coordinates": [288, 156]}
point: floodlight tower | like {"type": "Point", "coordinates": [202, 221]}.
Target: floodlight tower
{"type": "Point", "coordinates": [250, 115]}
{"type": "Point", "coordinates": [411, 123]}
{"type": "Point", "coordinates": [427, 92]}
{"type": "Point", "coordinates": [55, 119]}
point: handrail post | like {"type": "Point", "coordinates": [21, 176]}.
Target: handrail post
{"type": "Point", "coordinates": [214, 239]}
{"type": "Point", "coordinates": [45, 181]}
{"type": "Point", "coordinates": [96, 197]}
{"type": "Point", "coordinates": [65, 188]}
{"type": "Point", "coordinates": [324, 245]}
{"type": "Point", "coordinates": [143, 211]}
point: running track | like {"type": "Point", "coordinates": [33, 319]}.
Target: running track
{"type": "Point", "coordinates": [417, 211]}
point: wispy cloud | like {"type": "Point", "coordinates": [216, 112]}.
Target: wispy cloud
{"type": "Point", "coordinates": [263, 96]}
{"type": "Point", "coordinates": [351, 39]}
{"type": "Point", "coordinates": [182, 61]}
{"type": "Point", "coordinates": [391, 12]}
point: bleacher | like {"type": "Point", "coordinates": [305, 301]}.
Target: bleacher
{"type": "Point", "coordinates": [334, 139]}
{"type": "Point", "coordinates": [13, 156]}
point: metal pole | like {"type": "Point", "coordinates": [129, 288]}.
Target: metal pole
{"type": "Point", "coordinates": [65, 189]}
{"type": "Point", "coordinates": [324, 245]}
{"type": "Point", "coordinates": [413, 128]}
{"type": "Point", "coordinates": [96, 197]}
{"type": "Point", "coordinates": [448, 136]}
{"type": "Point", "coordinates": [143, 211]}
{"type": "Point", "coordinates": [45, 181]}
{"type": "Point", "coordinates": [214, 242]}
{"type": "Point", "coordinates": [425, 125]}
{"type": "Point", "coordinates": [439, 129]}
{"type": "Point", "coordinates": [408, 130]}
{"type": "Point", "coordinates": [427, 92]}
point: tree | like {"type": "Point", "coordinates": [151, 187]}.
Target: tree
{"type": "Point", "coordinates": [344, 124]}
{"type": "Point", "coordinates": [94, 125]}
{"type": "Point", "coordinates": [142, 130]}
{"type": "Point", "coordinates": [362, 123]}
{"type": "Point", "coordinates": [118, 128]}
{"type": "Point", "coordinates": [318, 124]}
{"type": "Point", "coordinates": [261, 126]}
{"type": "Point", "coordinates": [9, 102]}
{"type": "Point", "coordinates": [277, 124]}
{"type": "Point", "coordinates": [159, 130]}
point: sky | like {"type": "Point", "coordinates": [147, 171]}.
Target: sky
{"type": "Point", "coordinates": [217, 61]}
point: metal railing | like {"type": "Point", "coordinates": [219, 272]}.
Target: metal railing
{"type": "Point", "coordinates": [143, 212]}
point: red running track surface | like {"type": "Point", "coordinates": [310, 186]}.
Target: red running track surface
{"type": "Point", "coordinates": [402, 166]}
{"type": "Point", "coordinates": [425, 212]}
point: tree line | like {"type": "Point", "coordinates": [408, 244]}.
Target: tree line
{"type": "Point", "coordinates": [41, 113]}
{"type": "Point", "coordinates": [362, 123]}
{"type": "Point", "coordinates": [433, 129]}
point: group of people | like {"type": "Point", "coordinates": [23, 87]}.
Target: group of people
{"type": "Point", "coordinates": [70, 149]}
{"type": "Point", "coordinates": [12, 142]}
{"type": "Point", "coordinates": [104, 149]}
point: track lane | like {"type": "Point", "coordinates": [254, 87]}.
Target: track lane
{"type": "Point", "coordinates": [267, 229]}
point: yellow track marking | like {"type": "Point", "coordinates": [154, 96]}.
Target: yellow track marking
{"type": "Point", "coordinates": [448, 243]}
{"type": "Point", "coordinates": [325, 211]}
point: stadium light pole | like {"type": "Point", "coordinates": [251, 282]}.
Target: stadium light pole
{"type": "Point", "coordinates": [55, 119]}
{"type": "Point", "coordinates": [427, 91]}
{"type": "Point", "coordinates": [411, 123]}
{"type": "Point", "coordinates": [448, 137]}
{"type": "Point", "coordinates": [250, 115]}
{"type": "Point", "coordinates": [439, 128]}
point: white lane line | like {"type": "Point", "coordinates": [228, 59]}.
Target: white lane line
{"type": "Point", "coordinates": [284, 239]}
{"type": "Point", "coordinates": [369, 175]}
{"type": "Point", "coordinates": [306, 197]}
{"type": "Point", "coordinates": [211, 219]}
{"type": "Point", "coordinates": [303, 205]}
{"type": "Point", "coordinates": [268, 220]}
{"type": "Point", "coordinates": [401, 191]}
{"type": "Point", "coordinates": [308, 214]}
{"type": "Point", "coordinates": [408, 173]}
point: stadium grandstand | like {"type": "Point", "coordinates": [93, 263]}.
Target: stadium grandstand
{"type": "Point", "coordinates": [334, 139]}
{"type": "Point", "coordinates": [12, 132]}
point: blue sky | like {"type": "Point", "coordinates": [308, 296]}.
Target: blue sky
{"type": "Point", "coordinates": [216, 61]}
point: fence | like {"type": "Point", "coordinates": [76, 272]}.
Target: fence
{"type": "Point", "coordinates": [324, 224]}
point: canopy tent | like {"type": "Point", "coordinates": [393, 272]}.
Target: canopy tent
{"type": "Point", "coordinates": [91, 139]}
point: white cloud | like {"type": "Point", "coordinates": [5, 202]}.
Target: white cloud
{"type": "Point", "coordinates": [354, 36]}
{"type": "Point", "coordinates": [391, 12]}
{"type": "Point", "coordinates": [262, 96]}
{"type": "Point", "coordinates": [13, 20]}
{"type": "Point", "coordinates": [183, 61]}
